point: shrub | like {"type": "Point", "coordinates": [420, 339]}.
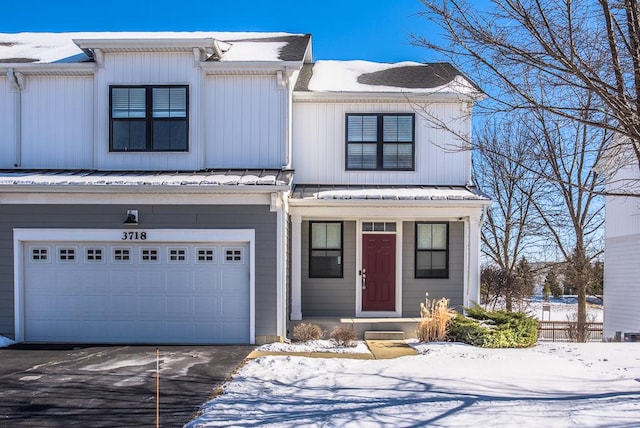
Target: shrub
{"type": "Point", "coordinates": [497, 329]}
{"type": "Point", "coordinates": [435, 316]}
{"type": "Point", "coordinates": [304, 332]}
{"type": "Point", "coordinates": [343, 336]}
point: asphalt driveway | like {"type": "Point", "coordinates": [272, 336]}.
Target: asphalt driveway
{"type": "Point", "coordinates": [109, 386]}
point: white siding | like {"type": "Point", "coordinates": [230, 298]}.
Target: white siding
{"type": "Point", "coordinates": [622, 285]}
{"type": "Point", "coordinates": [319, 145]}
{"type": "Point", "coordinates": [245, 122]}
{"type": "Point", "coordinates": [148, 69]}
{"type": "Point", "coordinates": [7, 124]}
{"type": "Point", "coordinates": [57, 122]}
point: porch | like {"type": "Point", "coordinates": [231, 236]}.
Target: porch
{"type": "Point", "coordinates": [361, 325]}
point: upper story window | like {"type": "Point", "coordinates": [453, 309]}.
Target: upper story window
{"type": "Point", "coordinates": [380, 142]}
{"type": "Point", "coordinates": [149, 118]}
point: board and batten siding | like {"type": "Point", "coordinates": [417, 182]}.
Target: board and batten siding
{"type": "Point", "coordinates": [330, 297]}
{"type": "Point", "coordinates": [245, 122]}
{"type": "Point", "coordinates": [7, 124]}
{"type": "Point", "coordinates": [414, 289]}
{"type": "Point", "coordinates": [149, 69]}
{"type": "Point", "coordinates": [257, 217]}
{"type": "Point", "coordinates": [622, 285]}
{"type": "Point", "coordinates": [319, 145]}
{"type": "Point", "coordinates": [56, 123]}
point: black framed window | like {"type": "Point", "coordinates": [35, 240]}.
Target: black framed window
{"type": "Point", "coordinates": [325, 250]}
{"type": "Point", "coordinates": [432, 250]}
{"type": "Point", "coordinates": [380, 141]}
{"type": "Point", "coordinates": [148, 118]}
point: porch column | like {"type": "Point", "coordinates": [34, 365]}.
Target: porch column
{"type": "Point", "coordinates": [473, 249]}
{"type": "Point", "coordinates": [296, 267]}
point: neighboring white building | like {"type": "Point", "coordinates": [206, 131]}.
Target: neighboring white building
{"type": "Point", "coordinates": [622, 246]}
{"type": "Point", "coordinates": [214, 187]}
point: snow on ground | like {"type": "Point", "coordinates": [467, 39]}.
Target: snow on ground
{"type": "Point", "coordinates": [316, 346]}
{"type": "Point", "coordinates": [4, 342]}
{"type": "Point", "coordinates": [448, 384]}
{"type": "Point", "coordinates": [561, 309]}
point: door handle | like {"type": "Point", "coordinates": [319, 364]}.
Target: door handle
{"type": "Point", "coordinates": [364, 279]}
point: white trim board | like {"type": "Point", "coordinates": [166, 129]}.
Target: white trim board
{"type": "Point", "coordinates": [23, 236]}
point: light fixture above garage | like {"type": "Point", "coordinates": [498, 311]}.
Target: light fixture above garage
{"type": "Point", "coordinates": [132, 217]}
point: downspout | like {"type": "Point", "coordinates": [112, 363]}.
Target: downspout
{"type": "Point", "coordinates": [285, 82]}
{"type": "Point", "coordinates": [17, 86]}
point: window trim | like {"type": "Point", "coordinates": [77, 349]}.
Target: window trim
{"type": "Point", "coordinates": [380, 141]}
{"type": "Point", "coordinates": [148, 119]}
{"type": "Point", "coordinates": [311, 249]}
{"type": "Point", "coordinates": [441, 273]}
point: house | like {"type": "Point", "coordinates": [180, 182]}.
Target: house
{"type": "Point", "coordinates": [218, 187]}
{"type": "Point", "coordinates": [621, 296]}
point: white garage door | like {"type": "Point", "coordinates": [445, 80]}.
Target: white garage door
{"type": "Point", "coordinates": [107, 292]}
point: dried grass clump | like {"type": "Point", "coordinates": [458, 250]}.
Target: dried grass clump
{"type": "Point", "coordinates": [304, 332]}
{"type": "Point", "coordinates": [343, 336]}
{"type": "Point", "coordinates": [435, 316]}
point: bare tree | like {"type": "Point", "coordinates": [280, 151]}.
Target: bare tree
{"type": "Point", "coordinates": [535, 54]}
{"type": "Point", "coordinates": [567, 204]}
{"type": "Point", "coordinates": [501, 167]}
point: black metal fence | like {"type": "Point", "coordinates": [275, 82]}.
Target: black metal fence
{"type": "Point", "coordinates": [564, 331]}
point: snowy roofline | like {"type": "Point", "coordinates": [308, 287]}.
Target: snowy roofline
{"type": "Point", "coordinates": [62, 47]}
{"type": "Point", "coordinates": [151, 179]}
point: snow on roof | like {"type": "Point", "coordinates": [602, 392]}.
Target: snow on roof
{"type": "Point", "coordinates": [423, 193]}
{"type": "Point", "coordinates": [55, 47]}
{"type": "Point", "coordinates": [366, 76]}
{"type": "Point", "coordinates": [145, 178]}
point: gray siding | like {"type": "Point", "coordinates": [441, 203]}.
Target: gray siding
{"type": "Point", "coordinates": [621, 285]}
{"type": "Point", "coordinates": [256, 217]}
{"type": "Point", "coordinates": [414, 289]}
{"type": "Point", "coordinates": [330, 297]}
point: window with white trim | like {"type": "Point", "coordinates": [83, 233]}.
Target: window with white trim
{"type": "Point", "coordinates": [206, 255]}
{"type": "Point", "coordinates": [94, 254]}
{"type": "Point", "coordinates": [378, 141]}
{"type": "Point", "coordinates": [122, 254]}
{"type": "Point", "coordinates": [66, 254]}
{"type": "Point", "coordinates": [148, 118]}
{"type": "Point", "coordinates": [177, 255]}
{"type": "Point", "coordinates": [40, 254]}
{"type": "Point", "coordinates": [325, 249]}
{"type": "Point", "coordinates": [149, 255]}
{"type": "Point", "coordinates": [233, 255]}
{"type": "Point", "coordinates": [432, 250]}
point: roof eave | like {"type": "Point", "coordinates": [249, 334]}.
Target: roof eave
{"type": "Point", "coordinates": [388, 96]}
{"type": "Point", "coordinates": [131, 188]}
{"type": "Point", "coordinates": [226, 67]}
{"type": "Point", "coordinates": [39, 69]}
{"type": "Point", "coordinates": [312, 202]}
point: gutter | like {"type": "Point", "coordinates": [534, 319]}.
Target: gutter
{"type": "Point", "coordinates": [17, 86]}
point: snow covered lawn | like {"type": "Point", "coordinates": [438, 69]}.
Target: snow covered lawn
{"type": "Point", "coordinates": [448, 384]}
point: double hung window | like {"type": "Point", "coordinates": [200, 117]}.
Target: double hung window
{"type": "Point", "coordinates": [432, 250]}
{"type": "Point", "coordinates": [325, 258]}
{"type": "Point", "coordinates": [148, 118]}
{"type": "Point", "coordinates": [380, 142]}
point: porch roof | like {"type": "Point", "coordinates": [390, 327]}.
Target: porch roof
{"type": "Point", "coordinates": [88, 179]}
{"type": "Point", "coordinates": [311, 192]}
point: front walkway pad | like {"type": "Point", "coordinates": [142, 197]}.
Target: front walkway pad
{"type": "Point", "coordinates": [386, 349]}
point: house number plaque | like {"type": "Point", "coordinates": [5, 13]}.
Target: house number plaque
{"type": "Point", "coordinates": [134, 236]}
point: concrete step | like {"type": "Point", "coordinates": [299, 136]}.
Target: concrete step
{"type": "Point", "coordinates": [384, 335]}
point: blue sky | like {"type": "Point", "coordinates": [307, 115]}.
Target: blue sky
{"type": "Point", "coordinates": [375, 30]}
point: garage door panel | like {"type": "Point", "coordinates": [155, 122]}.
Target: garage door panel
{"type": "Point", "coordinates": [188, 294]}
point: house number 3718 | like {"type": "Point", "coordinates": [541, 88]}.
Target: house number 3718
{"type": "Point", "coordinates": [134, 236]}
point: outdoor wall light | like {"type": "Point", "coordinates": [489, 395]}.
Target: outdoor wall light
{"type": "Point", "coordinates": [132, 217]}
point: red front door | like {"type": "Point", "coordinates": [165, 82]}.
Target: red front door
{"type": "Point", "coordinates": [378, 272]}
